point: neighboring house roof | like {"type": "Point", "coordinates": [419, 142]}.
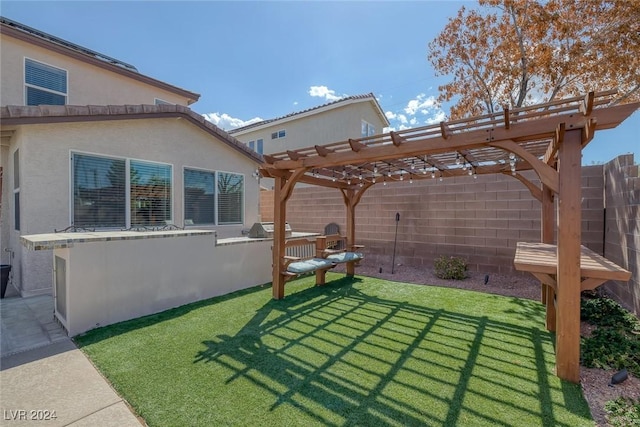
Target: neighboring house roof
{"type": "Point", "coordinates": [26, 115]}
{"type": "Point", "coordinates": [63, 47]}
{"type": "Point", "coordinates": [369, 97]}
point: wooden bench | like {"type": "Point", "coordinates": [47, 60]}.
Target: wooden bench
{"type": "Point", "coordinates": [303, 256]}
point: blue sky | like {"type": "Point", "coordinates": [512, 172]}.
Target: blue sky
{"type": "Point", "coordinates": [259, 60]}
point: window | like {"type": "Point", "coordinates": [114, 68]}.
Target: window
{"type": "Point", "coordinates": [199, 196]}
{"type": "Point", "coordinates": [158, 101]}
{"type": "Point", "coordinates": [230, 198]}
{"type": "Point", "coordinates": [210, 195]}
{"type": "Point", "coordinates": [16, 190]}
{"type": "Point", "coordinates": [280, 134]}
{"type": "Point", "coordinates": [150, 185]}
{"type": "Point", "coordinates": [120, 193]}
{"type": "Point", "coordinates": [44, 84]}
{"type": "Point", "coordinates": [367, 129]}
{"type": "Point", "coordinates": [257, 145]}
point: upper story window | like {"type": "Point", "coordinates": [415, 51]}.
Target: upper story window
{"type": "Point", "coordinates": [280, 134]}
{"type": "Point", "coordinates": [367, 129]}
{"type": "Point", "coordinates": [257, 145]}
{"type": "Point", "coordinates": [44, 84]}
{"type": "Point", "coordinates": [159, 101]}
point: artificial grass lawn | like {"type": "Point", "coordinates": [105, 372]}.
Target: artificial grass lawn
{"type": "Point", "coordinates": [355, 352]}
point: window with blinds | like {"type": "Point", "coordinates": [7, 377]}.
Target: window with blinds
{"type": "Point", "coordinates": [150, 193]}
{"type": "Point", "coordinates": [44, 84]}
{"type": "Point", "coordinates": [230, 198]}
{"type": "Point", "coordinates": [99, 191]}
{"type": "Point", "coordinates": [101, 186]}
{"type": "Point", "coordinates": [16, 190]}
{"type": "Point", "coordinates": [199, 196]}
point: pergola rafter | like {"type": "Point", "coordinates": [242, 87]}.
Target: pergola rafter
{"type": "Point", "coordinates": [547, 138]}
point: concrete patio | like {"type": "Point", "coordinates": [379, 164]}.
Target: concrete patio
{"type": "Point", "coordinates": [45, 377]}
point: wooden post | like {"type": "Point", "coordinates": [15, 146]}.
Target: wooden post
{"type": "Point", "coordinates": [547, 229]}
{"type": "Point", "coordinates": [279, 217]}
{"type": "Point", "coordinates": [568, 277]}
{"type": "Point", "coordinates": [351, 228]}
{"type": "Point", "coordinates": [321, 245]}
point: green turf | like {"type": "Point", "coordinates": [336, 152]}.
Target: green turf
{"type": "Point", "coordinates": [363, 352]}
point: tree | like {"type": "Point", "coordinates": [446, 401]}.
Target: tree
{"type": "Point", "coordinates": [522, 52]}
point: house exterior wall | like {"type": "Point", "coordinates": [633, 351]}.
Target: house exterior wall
{"type": "Point", "coordinates": [46, 182]}
{"type": "Point", "coordinates": [480, 220]}
{"type": "Point", "coordinates": [316, 128]}
{"type": "Point", "coordinates": [87, 84]}
{"type": "Point", "coordinates": [622, 238]}
{"type": "Point", "coordinates": [109, 282]}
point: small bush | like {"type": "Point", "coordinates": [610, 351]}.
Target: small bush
{"type": "Point", "coordinates": [615, 344]}
{"type": "Point", "coordinates": [608, 313]}
{"type": "Point", "coordinates": [623, 412]}
{"type": "Point", "coordinates": [449, 267]}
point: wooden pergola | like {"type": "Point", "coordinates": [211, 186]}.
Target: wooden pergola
{"type": "Point", "coordinates": [547, 138]}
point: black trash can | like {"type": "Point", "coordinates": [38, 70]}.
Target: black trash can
{"type": "Point", "coordinates": [5, 269]}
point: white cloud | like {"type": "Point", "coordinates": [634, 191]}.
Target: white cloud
{"type": "Point", "coordinates": [440, 116]}
{"type": "Point", "coordinates": [390, 115]}
{"type": "Point", "coordinates": [324, 92]}
{"type": "Point", "coordinates": [226, 122]}
{"type": "Point", "coordinates": [421, 103]}
{"type": "Point", "coordinates": [402, 119]}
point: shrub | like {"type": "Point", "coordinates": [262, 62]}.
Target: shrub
{"type": "Point", "coordinates": [608, 313]}
{"type": "Point", "coordinates": [449, 267]}
{"type": "Point", "coordinates": [615, 344]}
{"type": "Point", "coordinates": [623, 412]}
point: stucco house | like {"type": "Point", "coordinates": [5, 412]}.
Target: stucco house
{"type": "Point", "coordinates": [350, 117]}
{"type": "Point", "coordinates": [88, 141]}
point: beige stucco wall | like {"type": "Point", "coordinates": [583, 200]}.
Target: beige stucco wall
{"type": "Point", "coordinates": [108, 282]}
{"type": "Point", "coordinates": [87, 84]}
{"type": "Point", "coordinates": [46, 183]}
{"type": "Point", "coordinates": [333, 125]}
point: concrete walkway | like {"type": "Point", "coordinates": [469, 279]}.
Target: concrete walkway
{"type": "Point", "coordinates": [43, 374]}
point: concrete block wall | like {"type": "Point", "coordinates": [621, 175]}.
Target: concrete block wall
{"type": "Point", "coordinates": [478, 219]}
{"type": "Point", "coordinates": [622, 222]}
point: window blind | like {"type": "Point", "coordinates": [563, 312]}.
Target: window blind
{"type": "Point", "coordinates": [230, 198]}
{"type": "Point", "coordinates": [99, 192]}
{"type": "Point", "coordinates": [150, 193]}
{"type": "Point", "coordinates": [45, 76]}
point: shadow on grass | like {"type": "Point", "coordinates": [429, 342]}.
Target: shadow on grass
{"type": "Point", "coordinates": [345, 357]}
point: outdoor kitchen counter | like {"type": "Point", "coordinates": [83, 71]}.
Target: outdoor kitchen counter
{"type": "Point", "coordinates": [39, 242]}
{"type": "Point", "coordinates": [48, 241]}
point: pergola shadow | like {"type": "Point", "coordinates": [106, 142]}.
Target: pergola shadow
{"type": "Point", "coordinates": [344, 357]}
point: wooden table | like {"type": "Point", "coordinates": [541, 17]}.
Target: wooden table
{"type": "Point", "coordinates": [540, 259]}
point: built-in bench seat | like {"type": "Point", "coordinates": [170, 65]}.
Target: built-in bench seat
{"type": "Point", "coordinates": [301, 258]}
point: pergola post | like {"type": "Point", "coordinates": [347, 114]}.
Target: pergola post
{"type": "Point", "coordinates": [279, 217]}
{"type": "Point", "coordinates": [568, 275]}
{"type": "Point", "coordinates": [547, 228]}
{"type": "Point", "coordinates": [351, 227]}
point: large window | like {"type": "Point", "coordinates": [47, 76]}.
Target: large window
{"type": "Point", "coordinates": [120, 193]}
{"type": "Point", "coordinates": [44, 84]}
{"type": "Point", "coordinates": [209, 195]}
